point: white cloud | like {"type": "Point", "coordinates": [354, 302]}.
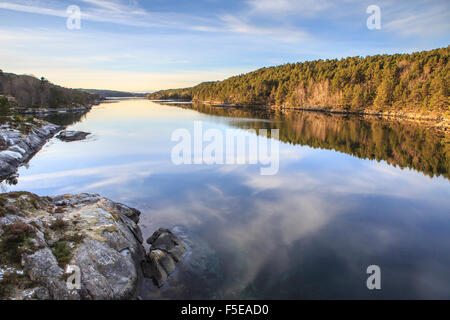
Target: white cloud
{"type": "Point", "coordinates": [117, 12]}
{"type": "Point", "coordinates": [33, 9]}
{"type": "Point", "coordinates": [64, 58]}
{"type": "Point", "coordinates": [238, 25]}
{"type": "Point", "coordinates": [303, 7]}
{"type": "Point", "coordinates": [129, 13]}
{"type": "Point", "coordinates": [117, 6]}
{"type": "Point", "coordinates": [431, 22]}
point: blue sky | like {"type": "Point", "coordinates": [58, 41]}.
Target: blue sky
{"type": "Point", "coordinates": [156, 44]}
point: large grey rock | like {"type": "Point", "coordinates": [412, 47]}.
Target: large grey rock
{"type": "Point", "coordinates": [166, 250]}
{"type": "Point", "coordinates": [42, 267]}
{"type": "Point", "coordinates": [70, 136]}
{"type": "Point", "coordinates": [105, 272]}
{"type": "Point", "coordinates": [85, 231]}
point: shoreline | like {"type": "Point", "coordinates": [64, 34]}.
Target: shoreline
{"type": "Point", "coordinates": [51, 111]}
{"type": "Point", "coordinates": [20, 148]}
{"type": "Point", "coordinates": [44, 111]}
{"type": "Point", "coordinates": [439, 122]}
{"type": "Point", "coordinates": [17, 148]}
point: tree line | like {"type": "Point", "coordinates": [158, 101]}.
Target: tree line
{"type": "Point", "coordinates": [407, 83]}
{"type": "Point", "coordinates": [31, 92]}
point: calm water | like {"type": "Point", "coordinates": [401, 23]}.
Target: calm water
{"type": "Point", "coordinates": [340, 202]}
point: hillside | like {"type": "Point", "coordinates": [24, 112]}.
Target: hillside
{"type": "Point", "coordinates": [113, 93]}
{"type": "Point", "coordinates": [416, 84]}
{"type": "Point", "coordinates": [30, 92]}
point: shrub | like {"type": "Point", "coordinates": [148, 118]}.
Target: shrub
{"type": "Point", "coordinates": [11, 281]}
{"type": "Point", "coordinates": [14, 237]}
{"type": "Point", "coordinates": [59, 225]}
{"type": "Point", "coordinates": [4, 106]}
{"type": "Point", "coordinates": [62, 252]}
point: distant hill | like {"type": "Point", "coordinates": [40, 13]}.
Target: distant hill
{"type": "Point", "coordinates": [408, 84]}
{"type": "Point", "coordinates": [31, 92]}
{"type": "Point", "coordinates": [113, 93]}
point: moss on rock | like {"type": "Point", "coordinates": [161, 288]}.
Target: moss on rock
{"type": "Point", "coordinates": [63, 252]}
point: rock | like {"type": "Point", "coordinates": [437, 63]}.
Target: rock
{"type": "Point", "coordinates": [69, 136]}
{"type": "Point", "coordinates": [45, 236]}
{"type": "Point", "coordinates": [42, 111]}
{"type": "Point", "coordinates": [6, 168]}
{"type": "Point", "coordinates": [166, 250]}
{"type": "Point", "coordinates": [165, 240]}
{"type": "Point", "coordinates": [42, 267]}
{"type": "Point", "coordinates": [16, 147]}
{"type": "Point", "coordinates": [131, 213]}
{"type": "Point", "coordinates": [106, 273]}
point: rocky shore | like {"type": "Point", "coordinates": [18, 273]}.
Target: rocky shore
{"type": "Point", "coordinates": [20, 142]}
{"type": "Point", "coordinates": [78, 247]}
{"type": "Point", "coordinates": [43, 111]}
{"type": "Point", "coordinates": [45, 241]}
{"type": "Point", "coordinates": [441, 123]}
{"type": "Point", "coordinates": [22, 135]}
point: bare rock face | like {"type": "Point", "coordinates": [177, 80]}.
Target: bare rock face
{"type": "Point", "coordinates": [18, 147]}
{"type": "Point", "coordinates": [70, 136]}
{"type": "Point", "coordinates": [166, 250]}
{"type": "Point", "coordinates": [42, 240]}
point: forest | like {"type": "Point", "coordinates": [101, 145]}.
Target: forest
{"type": "Point", "coordinates": [415, 83]}
{"type": "Point", "coordinates": [31, 92]}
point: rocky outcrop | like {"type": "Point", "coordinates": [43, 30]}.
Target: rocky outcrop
{"type": "Point", "coordinates": [69, 136]}
{"type": "Point", "coordinates": [46, 243]}
{"type": "Point", "coordinates": [18, 143]}
{"type": "Point", "coordinates": [165, 251]}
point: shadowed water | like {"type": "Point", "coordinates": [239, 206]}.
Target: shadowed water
{"type": "Point", "coordinates": [340, 202]}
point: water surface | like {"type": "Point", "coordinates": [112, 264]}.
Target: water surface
{"type": "Point", "coordinates": [350, 193]}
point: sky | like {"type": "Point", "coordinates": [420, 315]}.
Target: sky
{"type": "Point", "coordinates": [144, 46]}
